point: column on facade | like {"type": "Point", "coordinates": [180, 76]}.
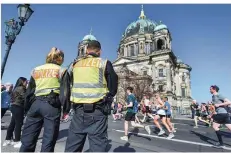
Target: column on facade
{"type": "Point", "coordinates": [153, 72]}
{"type": "Point", "coordinates": [125, 51]}
{"type": "Point", "coordinates": [167, 42]}
{"type": "Point", "coordinates": [177, 79]}
{"type": "Point", "coordinates": [148, 48]}
{"type": "Point", "coordinates": [156, 72]}
{"type": "Point", "coordinates": [169, 80]}
{"type": "Point", "coordinates": [136, 49]}
{"type": "Point", "coordinates": [188, 85]}
{"type": "Point", "coordinates": [154, 45]}
{"type": "Point", "coordinates": [172, 78]}
{"type": "Point", "coordinates": [129, 49]}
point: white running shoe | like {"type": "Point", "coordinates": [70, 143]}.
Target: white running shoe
{"type": "Point", "coordinates": [125, 138]}
{"type": "Point", "coordinates": [218, 145]}
{"type": "Point", "coordinates": [17, 144]}
{"type": "Point", "coordinates": [161, 132]}
{"type": "Point", "coordinates": [7, 142]}
{"type": "Point", "coordinates": [170, 136]}
{"type": "Point", "coordinates": [147, 128]}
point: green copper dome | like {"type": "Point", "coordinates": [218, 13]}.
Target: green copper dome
{"type": "Point", "coordinates": [160, 27]}
{"type": "Point", "coordinates": [141, 26]}
{"type": "Point", "coordinates": [89, 37]}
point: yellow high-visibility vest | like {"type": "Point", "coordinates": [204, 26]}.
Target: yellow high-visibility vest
{"type": "Point", "coordinates": [89, 83]}
{"type": "Point", "coordinates": [47, 77]}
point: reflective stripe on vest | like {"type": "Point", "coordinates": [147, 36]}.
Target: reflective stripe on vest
{"type": "Point", "coordinates": [41, 91]}
{"type": "Point", "coordinates": [47, 78]}
{"type": "Point", "coordinates": [89, 89]}
{"type": "Point", "coordinates": [92, 85]}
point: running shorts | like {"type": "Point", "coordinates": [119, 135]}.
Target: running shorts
{"type": "Point", "coordinates": [130, 116]}
{"type": "Point", "coordinates": [161, 116]}
{"type": "Point", "coordinates": [221, 118]}
{"type": "Point", "coordinates": [168, 116]}
{"type": "Point", "coordinates": [147, 109]}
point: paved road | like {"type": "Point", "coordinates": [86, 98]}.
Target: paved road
{"type": "Point", "coordinates": [187, 139]}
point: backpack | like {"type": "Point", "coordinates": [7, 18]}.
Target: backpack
{"type": "Point", "coordinates": [135, 106]}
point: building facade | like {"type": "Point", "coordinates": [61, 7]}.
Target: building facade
{"type": "Point", "coordinates": [145, 52]}
{"type": "Point", "coordinates": [145, 60]}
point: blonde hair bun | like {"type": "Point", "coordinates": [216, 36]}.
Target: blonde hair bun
{"type": "Point", "coordinates": [55, 56]}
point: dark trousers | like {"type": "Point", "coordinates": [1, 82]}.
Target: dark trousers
{"type": "Point", "coordinates": [15, 123]}
{"type": "Point", "coordinates": [94, 125]}
{"type": "Point", "coordinates": [193, 114]}
{"type": "Point", "coordinates": [41, 113]}
{"type": "Point", "coordinates": [3, 111]}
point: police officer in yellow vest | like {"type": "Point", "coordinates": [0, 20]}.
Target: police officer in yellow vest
{"type": "Point", "coordinates": [48, 89]}
{"type": "Point", "coordinates": [94, 84]}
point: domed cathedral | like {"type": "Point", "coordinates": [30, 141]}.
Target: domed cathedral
{"type": "Point", "coordinates": [145, 60]}
{"type": "Point", "coordinates": [82, 47]}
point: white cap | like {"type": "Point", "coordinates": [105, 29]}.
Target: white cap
{"type": "Point", "coordinates": [194, 100]}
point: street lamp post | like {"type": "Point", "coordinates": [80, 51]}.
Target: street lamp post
{"type": "Point", "coordinates": [13, 28]}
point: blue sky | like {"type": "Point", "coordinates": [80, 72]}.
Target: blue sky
{"type": "Point", "coordinates": [201, 37]}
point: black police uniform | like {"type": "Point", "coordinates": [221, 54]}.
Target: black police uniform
{"type": "Point", "coordinates": [44, 111]}
{"type": "Point", "coordinates": [94, 122]}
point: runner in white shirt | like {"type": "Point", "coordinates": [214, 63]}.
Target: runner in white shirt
{"type": "Point", "coordinates": [147, 108]}
{"type": "Point", "coordinates": [161, 114]}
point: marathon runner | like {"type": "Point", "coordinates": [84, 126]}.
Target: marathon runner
{"type": "Point", "coordinates": [167, 108]}
{"type": "Point", "coordinates": [220, 115]}
{"type": "Point", "coordinates": [197, 114]}
{"type": "Point", "coordinates": [147, 112]}
{"type": "Point", "coordinates": [131, 114]}
{"type": "Point", "coordinates": [161, 114]}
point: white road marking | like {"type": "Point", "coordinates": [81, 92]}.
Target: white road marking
{"type": "Point", "coordinates": [176, 140]}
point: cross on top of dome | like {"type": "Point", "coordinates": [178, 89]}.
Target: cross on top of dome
{"type": "Point", "coordinates": [142, 15]}
{"type": "Point", "coordinates": [89, 37]}
{"type": "Point", "coordinates": [91, 31]}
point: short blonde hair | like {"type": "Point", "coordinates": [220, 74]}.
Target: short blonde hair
{"type": "Point", "coordinates": [55, 55]}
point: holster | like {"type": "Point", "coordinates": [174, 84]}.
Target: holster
{"type": "Point", "coordinates": [88, 108]}
{"type": "Point", "coordinates": [52, 99]}
{"type": "Point", "coordinates": [106, 105]}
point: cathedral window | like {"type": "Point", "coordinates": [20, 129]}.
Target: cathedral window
{"type": "Point", "coordinates": [161, 88]}
{"type": "Point", "coordinates": [183, 77]}
{"type": "Point", "coordinates": [151, 47]}
{"type": "Point", "coordinates": [160, 44]}
{"type": "Point", "coordinates": [161, 72]}
{"type": "Point", "coordinates": [82, 52]}
{"type": "Point", "coordinates": [183, 92]}
{"type": "Point", "coordinates": [145, 72]}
